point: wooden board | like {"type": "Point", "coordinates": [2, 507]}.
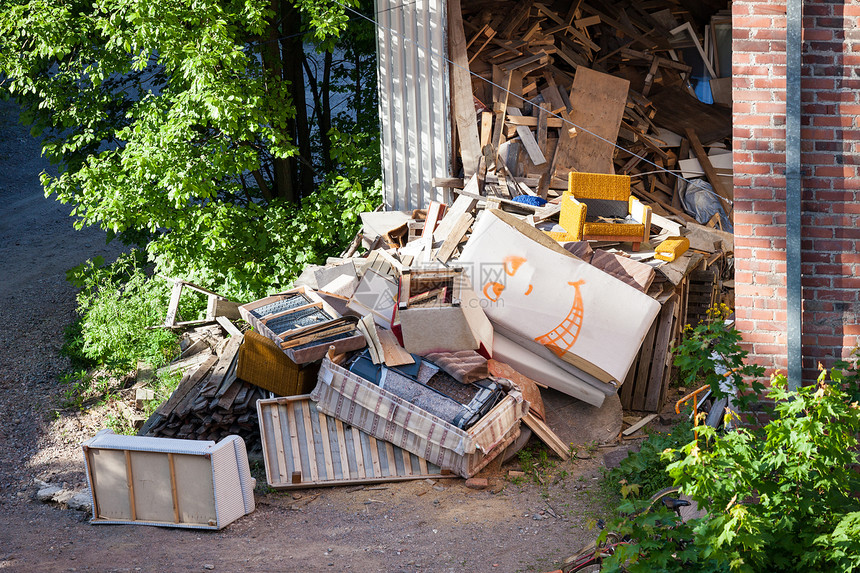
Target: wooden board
{"type": "Point", "coordinates": [658, 381]}
{"type": "Point", "coordinates": [461, 88]}
{"type": "Point", "coordinates": [677, 110]}
{"type": "Point", "coordinates": [598, 101]}
{"type": "Point", "coordinates": [636, 274]}
{"type": "Point", "coordinates": [302, 447]}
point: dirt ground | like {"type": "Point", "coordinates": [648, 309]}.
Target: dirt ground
{"type": "Point", "coordinates": [514, 525]}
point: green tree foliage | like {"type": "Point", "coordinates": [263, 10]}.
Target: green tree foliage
{"type": "Point", "coordinates": [183, 126]}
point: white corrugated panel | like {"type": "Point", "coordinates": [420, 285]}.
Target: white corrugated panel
{"type": "Point", "coordinates": [414, 100]}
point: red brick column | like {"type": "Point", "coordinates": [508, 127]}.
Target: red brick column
{"type": "Point", "coordinates": [830, 92]}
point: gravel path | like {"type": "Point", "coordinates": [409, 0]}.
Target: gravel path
{"type": "Point", "coordinates": [410, 526]}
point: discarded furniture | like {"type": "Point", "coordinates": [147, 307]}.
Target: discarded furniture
{"type": "Point", "coordinates": [302, 324]}
{"type": "Point", "coordinates": [531, 287]}
{"type": "Point", "coordinates": [302, 447]}
{"type": "Point", "coordinates": [427, 386]}
{"type": "Point", "coordinates": [361, 403]}
{"type": "Point", "coordinates": [600, 207]}
{"type": "Point", "coordinates": [438, 311]}
{"type": "Point", "coordinates": [166, 482]}
{"type": "Point", "coordinates": [262, 363]}
{"type": "Point", "coordinates": [216, 306]}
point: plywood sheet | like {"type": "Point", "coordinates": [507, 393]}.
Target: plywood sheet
{"type": "Point", "coordinates": [598, 101]}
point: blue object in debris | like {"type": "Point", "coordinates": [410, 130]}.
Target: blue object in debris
{"type": "Point", "coordinates": [530, 200]}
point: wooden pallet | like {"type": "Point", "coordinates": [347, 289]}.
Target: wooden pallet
{"type": "Point", "coordinates": [302, 447]}
{"type": "Point", "coordinates": [647, 382]}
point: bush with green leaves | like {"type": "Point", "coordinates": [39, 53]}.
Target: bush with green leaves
{"type": "Point", "coordinates": [846, 375]}
{"type": "Point", "coordinates": [644, 472]}
{"type": "Point", "coordinates": [710, 353]}
{"type": "Point", "coordinates": [782, 497]}
{"type": "Point", "coordinates": [117, 304]}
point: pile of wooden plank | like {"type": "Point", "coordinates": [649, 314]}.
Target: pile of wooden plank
{"type": "Point", "coordinates": [209, 403]}
{"type": "Point", "coordinates": [558, 85]}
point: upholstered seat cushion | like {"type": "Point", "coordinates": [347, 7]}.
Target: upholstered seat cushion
{"type": "Point", "coordinates": [614, 229]}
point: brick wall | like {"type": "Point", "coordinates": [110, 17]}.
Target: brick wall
{"type": "Point", "coordinates": [830, 93]}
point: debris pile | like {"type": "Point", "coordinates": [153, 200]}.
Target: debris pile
{"type": "Point", "coordinates": [563, 265]}
{"type": "Point", "coordinates": [556, 88]}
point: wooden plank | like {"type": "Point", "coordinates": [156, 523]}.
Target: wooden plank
{"type": "Point", "coordinates": [662, 357]}
{"type": "Point", "coordinates": [341, 445]}
{"type": "Point", "coordinates": [543, 123]}
{"type": "Point", "coordinates": [374, 456]}
{"type": "Point", "coordinates": [528, 140]}
{"type": "Point", "coordinates": [632, 429]}
{"type": "Point", "coordinates": [528, 121]}
{"type": "Point", "coordinates": [228, 325]}
{"type": "Point", "coordinates": [279, 445]}
{"type": "Point", "coordinates": [598, 102]}
{"type": "Point", "coordinates": [173, 306]}
{"type": "Point", "coordinates": [326, 440]}
{"type": "Point", "coordinates": [547, 436]}
{"type": "Point", "coordinates": [359, 452]}
{"type": "Point", "coordinates": [461, 87]}
{"type": "Point", "coordinates": [173, 492]}
{"type": "Point", "coordinates": [500, 117]}
{"type": "Point", "coordinates": [458, 231]}
{"type": "Point", "coordinates": [626, 392]}
{"type": "Point", "coordinates": [395, 355]}
{"type": "Point", "coordinates": [224, 362]}
{"type": "Point", "coordinates": [130, 479]}
{"type": "Point", "coordinates": [462, 204]}
{"type": "Point", "coordinates": [93, 484]}
{"type": "Point", "coordinates": [294, 410]}
{"type": "Point", "coordinates": [434, 215]}
{"type": "Point", "coordinates": [309, 440]}
{"type": "Point", "coordinates": [486, 128]}
{"type": "Point", "coordinates": [226, 400]}
{"type": "Point", "coordinates": [644, 368]}
{"type": "Point", "coordinates": [708, 168]}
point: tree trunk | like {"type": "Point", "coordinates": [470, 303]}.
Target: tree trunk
{"type": "Point", "coordinates": [293, 54]}
{"type": "Point", "coordinates": [283, 184]}
{"type": "Point", "coordinates": [325, 114]}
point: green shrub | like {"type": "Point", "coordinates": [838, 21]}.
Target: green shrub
{"type": "Point", "coordinates": [782, 497]}
{"type": "Point", "coordinates": [711, 354]}
{"type": "Point", "coordinates": [647, 467]}
{"type": "Point", "coordinates": [116, 305]}
{"type": "Point", "coordinates": [846, 375]}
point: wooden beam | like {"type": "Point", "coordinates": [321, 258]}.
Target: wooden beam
{"type": "Point", "coordinates": [528, 139]}
{"type": "Point", "coordinates": [709, 170]}
{"type": "Point", "coordinates": [461, 86]}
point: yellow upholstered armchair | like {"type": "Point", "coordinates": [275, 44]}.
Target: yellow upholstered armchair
{"type": "Point", "coordinates": [599, 207]}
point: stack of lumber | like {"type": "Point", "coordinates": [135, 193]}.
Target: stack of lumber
{"type": "Point", "coordinates": [557, 85]}
{"type": "Point", "coordinates": [209, 403]}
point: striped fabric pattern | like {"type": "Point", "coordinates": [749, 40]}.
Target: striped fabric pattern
{"type": "Point", "coordinates": [360, 403]}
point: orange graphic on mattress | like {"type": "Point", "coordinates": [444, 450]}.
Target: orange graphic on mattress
{"type": "Point", "coordinates": [561, 338]}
